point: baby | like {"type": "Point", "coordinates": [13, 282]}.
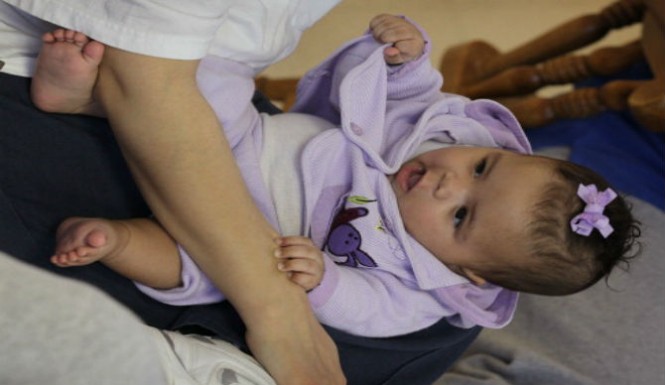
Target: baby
{"type": "Point", "coordinates": [412, 205]}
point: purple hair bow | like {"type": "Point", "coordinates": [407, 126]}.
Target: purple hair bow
{"type": "Point", "coordinates": [592, 216]}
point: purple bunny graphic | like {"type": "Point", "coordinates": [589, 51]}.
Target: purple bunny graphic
{"type": "Point", "coordinates": [344, 240]}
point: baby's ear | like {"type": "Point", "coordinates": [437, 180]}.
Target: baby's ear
{"type": "Point", "coordinates": [473, 277]}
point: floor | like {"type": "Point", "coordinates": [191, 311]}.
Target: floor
{"type": "Point", "coordinates": [504, 23]}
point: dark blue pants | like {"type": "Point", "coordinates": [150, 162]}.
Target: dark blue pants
{"type": "Point", "coordinates": [56, 166]}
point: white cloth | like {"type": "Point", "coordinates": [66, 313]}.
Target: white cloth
{"type": "Point", "coordinates": [254, 32]}
{"type": "Point", "coordinates": [281, 167]}
{"type": "Point", "coordinates": [60, 331]}
{"type": "Point", "coordinates": [198, 360]}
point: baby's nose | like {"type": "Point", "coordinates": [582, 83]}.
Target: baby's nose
{"type": "Point", "coordinates": [451, 185]}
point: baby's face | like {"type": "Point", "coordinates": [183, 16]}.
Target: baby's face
{"type": "Point", "coordinates": [469, 205]}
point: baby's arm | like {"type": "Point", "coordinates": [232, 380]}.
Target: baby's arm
{"type": "Point", "coordinates": [301, 260]}
{"type": "Point", "coordinates": [407, 41]}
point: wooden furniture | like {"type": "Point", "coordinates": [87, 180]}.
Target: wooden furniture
{"type": "Point", "coordinates": [282, 92]}
{"type": "Point", "coordinates": [478, 70]}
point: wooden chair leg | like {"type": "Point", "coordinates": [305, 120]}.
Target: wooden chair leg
{"type": "Point", "coordinates": [647, 103]}
{"type": "Point", "coordinates": [647, 106]}
{"type": "Point", "coordinates": [281, 91]}
{"type": "Point", "coordinates": [472, 62]}
{"type": "Point", "coordinates": [533, 111]}
{"type": "Point", "coordinates": [477, 69]}
{"type": "Point", "coordinates": [562, 70]}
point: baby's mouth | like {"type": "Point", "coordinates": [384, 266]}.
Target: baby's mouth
{"type": "Point", "coordinates": [409, 176]}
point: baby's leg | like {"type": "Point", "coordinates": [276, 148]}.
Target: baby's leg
{"type": "Point", "coordinates": [66, 73]}
{"type": "Point", "coordinates": [139, 249]}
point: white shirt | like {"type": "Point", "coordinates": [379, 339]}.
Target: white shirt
{"type": "Point", "coordinates": [255, 32]}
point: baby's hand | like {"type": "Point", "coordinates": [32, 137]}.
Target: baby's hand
{"type": "Point", "coordinates": [301, 260]}
{"type": "Point", "coordinates": [407, 41]}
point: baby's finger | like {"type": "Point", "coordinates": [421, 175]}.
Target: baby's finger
{"type": "Point", "coordinates": [388, 30]}
{"type": "Point", "coordinates": [306, 281]}
{"type": "Point", "coordinates": [393, 56]}
{"type": "Point", "coordinates": [391, 35]}
{"type": "Point", "coordinates": [294, 240]}
{"type": "Point", "coordinates": [302, 272]}
{"type": "Point", "coordinates": [391, 51]}
{"type": "Point", "coordinates": [381, 21]}
{"type": "Point", "coordinates": [410, 49]}
{"type": "Point", "coordinates": [299, 265]}
{"type": "Point", "coordinates": [300, 252]}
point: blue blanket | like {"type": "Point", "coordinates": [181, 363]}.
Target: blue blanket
{"type": "Point", "coordinates": [631, 158]}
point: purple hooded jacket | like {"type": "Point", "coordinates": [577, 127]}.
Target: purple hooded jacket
{"type": "Point", "coordinates": [378, 280]}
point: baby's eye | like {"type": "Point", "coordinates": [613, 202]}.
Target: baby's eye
{"type": "Point", "coordinates": [460, 214]}
{"type": "Point", "coordinates": [480, 168]}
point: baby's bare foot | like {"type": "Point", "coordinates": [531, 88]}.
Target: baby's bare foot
{"type": "Point", "coordinates": [66, 73]}
{"type": "Point", "coordinates": [82, 241]}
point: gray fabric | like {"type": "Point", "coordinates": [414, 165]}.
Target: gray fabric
{"type": "Point", "coordinates": [606, 335]}
{"type": "Point", "coordinates": [58, 331]}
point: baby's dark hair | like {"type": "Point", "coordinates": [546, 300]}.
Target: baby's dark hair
{"type": "Point", "coordinates": [560, 261]}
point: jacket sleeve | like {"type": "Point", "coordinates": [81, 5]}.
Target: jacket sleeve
{"type": "Point", "coordinates": [373, 303]}
{"type": "Point", "coordinates": [415, 80]}
{"type": "Point", "coordinates": [357, 64]}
